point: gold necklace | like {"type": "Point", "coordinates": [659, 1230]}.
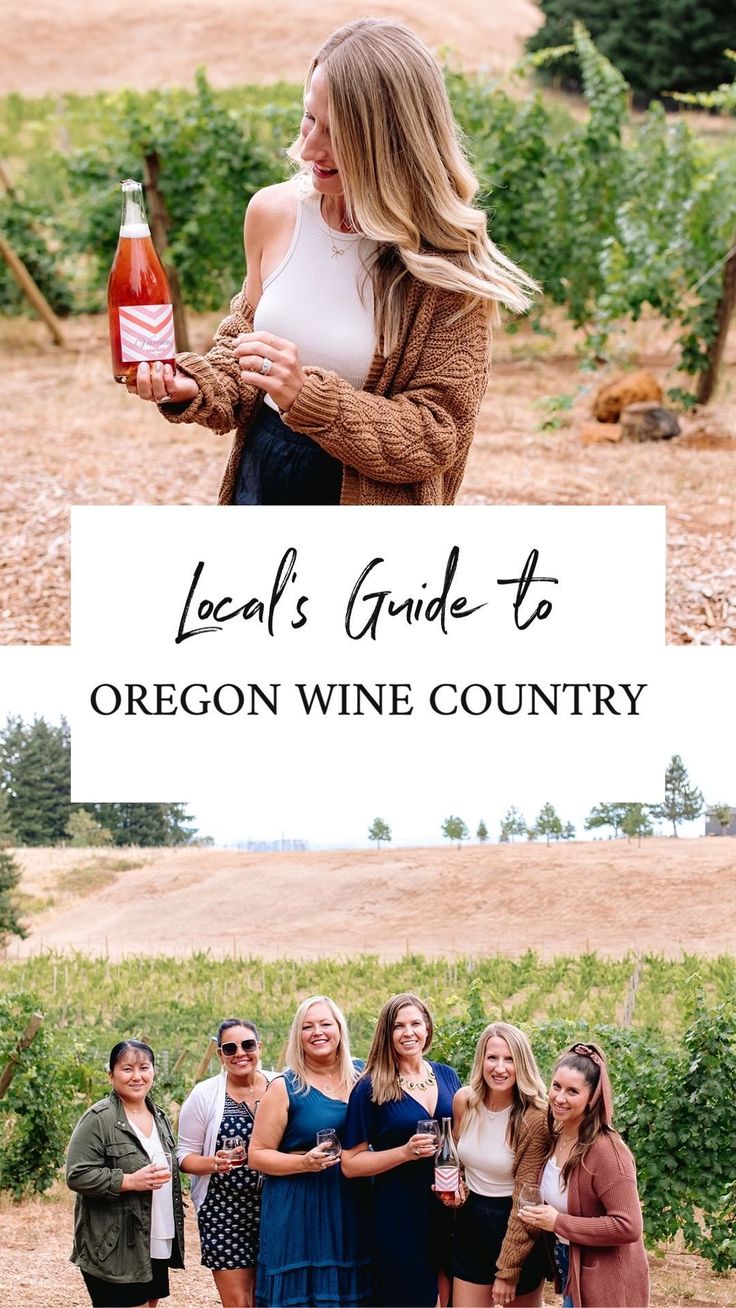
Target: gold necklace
{"type": "Point", "coordinates": [429, 1080]}
{"type": "Point", "coordinates": [337, 250]}
{"type": "Point", "coordinates": [241, 1095]}
{"type": "Point", "coordinates": [563, 1144]}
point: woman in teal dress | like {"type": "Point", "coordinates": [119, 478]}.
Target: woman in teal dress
{"type": "Point", "coordinates": [314, 1244]}
{"type": "Point", "coordinates": [411, 1230]}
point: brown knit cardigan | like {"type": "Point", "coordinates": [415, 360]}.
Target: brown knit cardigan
{"type": "Point", "coordinates": [532, 1148]}
{"type": "Point", "coordinates": [608, 1265]}
{"type": "Point", "coordinates": [403, 439]}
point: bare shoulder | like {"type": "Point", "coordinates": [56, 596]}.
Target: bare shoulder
{"type": "Point", "coordinates": [271, 204]}
{"type": "Point", "coordinates": [460, 1100]}
{"type": "Point", "coordinates": [276, 1092]}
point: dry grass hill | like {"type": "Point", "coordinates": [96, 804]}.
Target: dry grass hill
{"type": "Point", "coordinates": [669, 896]}
{"type": "Point", "coordinates": [70, 45]}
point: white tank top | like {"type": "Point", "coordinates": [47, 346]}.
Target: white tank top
{"type": "Point", "coordinates": [552, 1191]}
{"type": "Point", "coordinates": [323, 300]}
{"type": "Point", "coordinates": [488, 1160]}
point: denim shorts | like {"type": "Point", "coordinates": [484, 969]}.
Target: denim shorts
{"type": "Point", "coordinates": [562, 1263]}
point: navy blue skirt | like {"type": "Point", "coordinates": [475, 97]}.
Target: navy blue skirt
{"type": "Point", "coordinates": [280, 466]}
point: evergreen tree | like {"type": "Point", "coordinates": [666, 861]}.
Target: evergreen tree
{"type": "Point", "coordinates": [568, 831]}
{"type": "Point", "coordinates": [84, 832]}
{"type": "Point", "coordinates": [7, 834]}
{"type": "Point", "coordinates": [636, 822]}
{"type": "Point", "coordinates": [482, 832]}
{"type": "Point", "coordinates": [10, 923]}
{"type": "Point", "coordinates": [513, 824]}
{"type": "Point", "coordinates": [548, 823]}
{"type": "Point", "coordinates": [682, 802]}
{"type": "Point", "coordinates": [658, 45]}
{"type": "Point", "coordinates": [606, 815]}
{"type": "Point", "coordinates": [145, 824]}
{"type": "Point", "coordinates": [379, 831]}
{"type": "Point", "coordinates": [35, 763]}
{"type": "Point", "coordinates": [455, 829]}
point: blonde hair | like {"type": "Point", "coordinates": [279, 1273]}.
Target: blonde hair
{"type": "Point", "coordinates": [381, 1064]}
{"type": "Point", "coordinates": [294, 1053]}
{"type": "Point", "coordinates": [529, 1091]}
{"type": "Point", "coordinates": [408, 185]}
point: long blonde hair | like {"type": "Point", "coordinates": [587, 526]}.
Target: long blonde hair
{"type": "Point", "coordinates": [408, 185]}
{"type": "Point", "coordinates": [529, 1091]}
{"type": "Point", "coordinates": [381, 1064]}
{"type": "Point", "coordinates": [294, 1053]}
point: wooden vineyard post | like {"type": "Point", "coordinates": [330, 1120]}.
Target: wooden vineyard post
{"type": "Point", "coordinates": [33, 1026]}
{"type": "Point", "coordinates": [30, 290]}
{"type": "Point", "coordinates": [204, 1063]}
{"type": "Point", "coordinates": [178, 1065]}
{"type": "Point", "coordinates": [707, 379]}
{"type": "Point", "coordinates": [160, 223]}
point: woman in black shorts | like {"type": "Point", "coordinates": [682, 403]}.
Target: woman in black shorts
{"type": "Point", "coordinates": [129, 1220]}
{"type": "Point", "coordinates": [500, 1123]}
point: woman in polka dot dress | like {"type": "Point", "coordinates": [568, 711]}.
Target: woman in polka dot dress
{"type": "Point", "coordinates": [225, 1190]}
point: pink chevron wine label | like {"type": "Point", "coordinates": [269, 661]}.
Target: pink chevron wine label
{"type": "Point", "coordinates": [146, 332]}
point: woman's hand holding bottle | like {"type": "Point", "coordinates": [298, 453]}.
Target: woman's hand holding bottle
{"type": "Point", "coordinates": [158, 382]}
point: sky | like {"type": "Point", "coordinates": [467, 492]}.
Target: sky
{"type": "Point", "coordinates": [698, 724]}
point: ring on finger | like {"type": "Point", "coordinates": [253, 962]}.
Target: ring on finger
{"type": "Point", "coordinates": [267, 364]}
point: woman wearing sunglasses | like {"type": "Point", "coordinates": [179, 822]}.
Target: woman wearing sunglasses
{"type": "Point", "coordinates": [225, 1191]}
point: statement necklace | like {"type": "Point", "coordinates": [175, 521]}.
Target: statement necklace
{"type": "Point", "coordinates": [429, 1080]}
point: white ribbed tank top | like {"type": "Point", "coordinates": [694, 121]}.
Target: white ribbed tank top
{"type": "Point", "coordinates": [482, 1148]}
{"type": "Point", "coordinates": [320, 300]}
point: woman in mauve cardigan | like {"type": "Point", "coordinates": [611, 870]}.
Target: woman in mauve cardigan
{"type": "Point", "coordinates": [591, 1203]}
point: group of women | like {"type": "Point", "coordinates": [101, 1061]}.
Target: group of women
{"type": "Point", "coordinates": [315, 1186]}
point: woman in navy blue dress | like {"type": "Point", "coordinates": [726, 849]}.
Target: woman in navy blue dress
{"type": "Point", "coordinates": [411, 1230]}
{"type": "Point", "coordinates": [314, 1245]}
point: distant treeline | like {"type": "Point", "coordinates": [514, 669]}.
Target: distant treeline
{"type": "Point", "coordinates": [35, 804]}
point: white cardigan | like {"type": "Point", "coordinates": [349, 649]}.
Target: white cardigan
{"type": "Point", "coordinates": [199, 1122]}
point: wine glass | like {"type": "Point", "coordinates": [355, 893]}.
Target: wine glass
{"type": "Point", "coordinates": [330, 1137]}
{"type": "Point", "coordinates": [162, 1160]}
{"type": "Point", "coordinates": [428, 1126]}
{"type": "Point", "coordinates": [529, 1196]}
{"type": "Point", "coordinates": [233, 1149]}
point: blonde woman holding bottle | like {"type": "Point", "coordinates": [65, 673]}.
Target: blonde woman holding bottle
{"type": "Point", "coordinates": [354, 361]}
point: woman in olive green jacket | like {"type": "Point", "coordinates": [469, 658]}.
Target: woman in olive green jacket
{"type": "Point", "coordinates": [129, 1220]}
